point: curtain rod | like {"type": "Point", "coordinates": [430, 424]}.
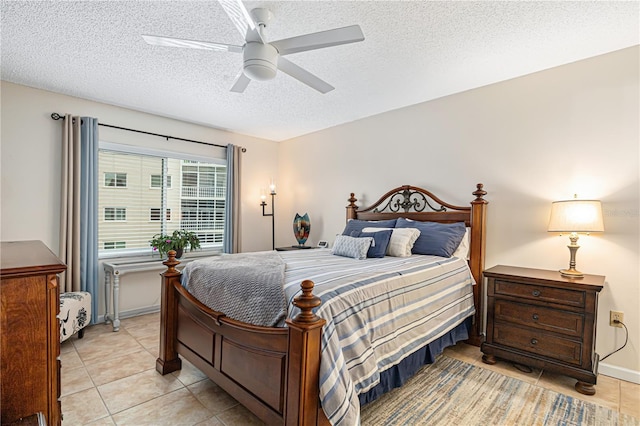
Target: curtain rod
{"type": "Point", "coordinates": [57, 116]}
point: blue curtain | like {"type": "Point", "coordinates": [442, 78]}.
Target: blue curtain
{"type": "Point", "coordinates": [89, 211]}
{"type": "Point", "coordinates": [231, 242]}
{"type": "Point", "coordinates": [79, 208]}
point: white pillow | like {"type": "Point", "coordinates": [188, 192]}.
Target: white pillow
{"type": "Point", "coordinates": [347, 246]}
{"type": "Point", "coordinates": [401, 242]}
{"type": "Point", "coordinates": [462, 251]}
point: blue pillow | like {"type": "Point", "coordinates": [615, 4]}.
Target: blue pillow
{"type": "Point", "coordinates": [438, 239]}
{"type": "Point", "coordinates": [380, 241]}
{"type": "Point", "coordinates": [359, 225]}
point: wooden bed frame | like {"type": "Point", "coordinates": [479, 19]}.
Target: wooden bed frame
{"type": "Point", "coordinates": [274, 371]}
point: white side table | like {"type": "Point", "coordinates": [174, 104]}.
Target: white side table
{"type": "Point", "coordinates": [114, 269]}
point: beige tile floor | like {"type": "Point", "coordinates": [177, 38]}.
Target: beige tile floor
{"type": "Point", "coordinates": [110, 379]}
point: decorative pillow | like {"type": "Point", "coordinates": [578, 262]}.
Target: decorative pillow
{"type": "Point", "coordinates": [359, 225]}
{"type": "Point", "coordinates": [351, 247]}
{"type": "Point", "coordinates": [380, 241]}
{"type": "Point", "coordinates": [438, 239]}
{"type": "Point", "coordinates": [401, 241]}
{"type": "Point", "coordinates": [462, 251]}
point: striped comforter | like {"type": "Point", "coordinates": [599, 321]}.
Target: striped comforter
{"type": "Point", "coordinates": [378, 311]}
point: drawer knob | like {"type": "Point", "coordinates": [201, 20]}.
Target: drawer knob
{"type": "Point", "coordinates": [536, 293]}
{"type": "Point", "coordinates": [534, 341]}
{"type": "Point", "coordinates": [535, 317]}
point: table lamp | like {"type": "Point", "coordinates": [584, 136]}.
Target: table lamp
{"type": "Point", "coordinates": [575, 216]}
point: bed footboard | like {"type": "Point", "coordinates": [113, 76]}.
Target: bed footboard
{"type": "Point", "coordinates": [271, 371]}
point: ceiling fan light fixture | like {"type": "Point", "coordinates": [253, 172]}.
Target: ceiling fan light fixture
{"type": "Point", "coordinates": [260, 61]}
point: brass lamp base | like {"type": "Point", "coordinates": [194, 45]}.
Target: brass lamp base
{"type": "Point", "coordinates": [571, 273]}
{"type": "Point", "coordinates": [573, 248]}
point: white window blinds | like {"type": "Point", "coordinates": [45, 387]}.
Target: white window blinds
{"type": "Point", "coordinates": [190, 190]}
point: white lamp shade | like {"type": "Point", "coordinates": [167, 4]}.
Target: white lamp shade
{"type": "Point", "coordinates": [576, 216]}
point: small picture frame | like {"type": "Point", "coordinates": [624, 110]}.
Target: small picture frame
{"type": "Point", "coordinates": [323, 244]}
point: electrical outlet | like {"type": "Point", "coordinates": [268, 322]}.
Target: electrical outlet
{"type": "Point", "coordinates": [615, 316]}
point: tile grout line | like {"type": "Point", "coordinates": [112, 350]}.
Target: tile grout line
{"type": "Point", "coordinates": [84, 365]}
{"type": "Point", "coordinates": [184, 386]}
{"type": "Point", "coordinates": [92, 382]}
{"type": "Point", "coordinates": [123, 328]}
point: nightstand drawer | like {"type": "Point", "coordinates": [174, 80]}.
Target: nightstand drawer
{"type": "Point", "coordinates": [537, 342]}
{"type": "Point", "coordinates": [537, 292]}
{"type": "Point", "coordinates": [569, 323]}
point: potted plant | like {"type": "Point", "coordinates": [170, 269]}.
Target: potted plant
{"type": "Point", "coordinates": [178, 241]}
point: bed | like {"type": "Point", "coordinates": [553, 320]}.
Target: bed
{"type": "Point", "coordinates": [277, 372]}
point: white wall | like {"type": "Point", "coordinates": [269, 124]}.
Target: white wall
{"type": "Point", "coordinates": [31, 172]}
{"type": "Point", "coordinates": [531, 141]}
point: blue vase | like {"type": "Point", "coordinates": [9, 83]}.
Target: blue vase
{"type": "Point", "coordinates": [301, 228]}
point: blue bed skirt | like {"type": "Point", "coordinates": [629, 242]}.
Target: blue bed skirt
{"type": "Point", "coordinates": [397, 375]}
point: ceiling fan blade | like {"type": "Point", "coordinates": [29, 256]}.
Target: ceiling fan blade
{"type": "Point", "coordinates": [304, 76]}
{"type": "Point", "coordinates": [191, 44]}
{"type": "Point", "coordinates": [319, 40]}
{"type": "Point", "coordinates": [241, 83]}
{"type": "Point", "coordinates": [242, 20]}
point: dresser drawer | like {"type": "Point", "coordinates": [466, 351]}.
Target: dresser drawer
{"type": "Point", "coordinates": [537, 292]}
{"type": "Point", "coordinates": [568, 323]}
{"type": "Point", "coordinates": [538, 342]}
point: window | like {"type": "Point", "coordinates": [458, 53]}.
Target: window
{"type": "Point", "coordinates": [156, 181]}
{"type": "Point", "coordinates": [133, 214]}
{"type": "Point", "coordinates": [112, 245]}
{"type": "Point", "coordinates": [154, 214]}
{"type": "Point", "coordinates": [117, 180]}
{"type": "Point", "coordinates": [115, 214]}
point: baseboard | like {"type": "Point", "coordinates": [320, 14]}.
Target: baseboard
{"type": "Point", "coordinates": [134, 312]}
{"type": "Point", "coordinates": [619, 373]}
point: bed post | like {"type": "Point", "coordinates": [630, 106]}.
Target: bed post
{"type": "Point", "coordinates": [303, 362]}
{"type": "Point", "coordinates": [168, 359]}
{"type": "Point", "coordinates": [477, 251]}
{"type": "Point", "coordinates": [352, 208]}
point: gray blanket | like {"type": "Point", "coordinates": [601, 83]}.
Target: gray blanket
{"type": "Point", "coordinates": [247, 287]}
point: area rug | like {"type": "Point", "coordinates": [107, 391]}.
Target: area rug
{"type": "Point", "coordinates": [453, 392]}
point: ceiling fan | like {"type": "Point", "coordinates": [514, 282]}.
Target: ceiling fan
{"type": "Point", "coordinates": [262, 59]}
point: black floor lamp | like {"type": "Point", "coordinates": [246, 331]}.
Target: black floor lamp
{"type": "Point", "coordinates": [272, 189]}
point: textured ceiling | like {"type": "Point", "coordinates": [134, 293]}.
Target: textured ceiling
{"type": "Point", "coordinates": [413, 51]}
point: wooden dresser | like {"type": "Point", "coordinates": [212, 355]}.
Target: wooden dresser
{"type": "Point", "coordinates": [540, 318]}
{"type": "Point", "coordinates": [29, 331]}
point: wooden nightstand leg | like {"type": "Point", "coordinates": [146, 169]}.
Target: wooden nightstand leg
{"type": "Point", "coordinates": [489, 359]}
{"type": "Point", "coordinates": [585, 388]}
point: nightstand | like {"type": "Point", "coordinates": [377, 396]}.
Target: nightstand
{"type": "Point", "coordinates": [539, 318]}
{"type": "Point", "coordinates": [287, 248]}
